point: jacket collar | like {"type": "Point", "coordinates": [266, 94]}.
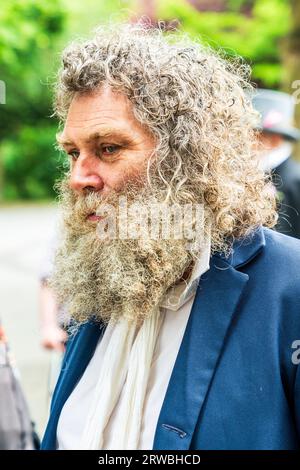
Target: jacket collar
{"type": "Point", "coordinates": [245, 249]}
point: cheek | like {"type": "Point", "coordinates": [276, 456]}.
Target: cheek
{"type": "Point", "coordinates": [125, 171]}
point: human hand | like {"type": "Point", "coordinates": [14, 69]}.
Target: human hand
{"type": "Point", "coordinates": [53, 338]}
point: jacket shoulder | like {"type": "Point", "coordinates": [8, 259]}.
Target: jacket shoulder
{"type": "Point", "coordinates": [278, 265]}
{"type": "Point", "coordinates": [281, 246]}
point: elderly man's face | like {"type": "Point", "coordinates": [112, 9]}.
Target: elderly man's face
{"type": "Point", "coordinates": [106, 143]}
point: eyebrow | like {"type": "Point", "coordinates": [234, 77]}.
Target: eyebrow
{"type": "Point", "coordinates": [103, 134]}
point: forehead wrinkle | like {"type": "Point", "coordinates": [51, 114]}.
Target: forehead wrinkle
{"type": "Point", "coordinates": [101, 128]}
{"type": "Point", "coordinates": [97, 135]}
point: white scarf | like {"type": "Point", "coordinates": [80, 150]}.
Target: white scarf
{"type": "Point", "coordinates": [128, 356]}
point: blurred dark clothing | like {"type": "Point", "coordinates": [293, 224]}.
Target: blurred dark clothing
{"type": "Point", "coordinates": [16, 428]}
{"type": "Point", "coordinates": [286, 178]}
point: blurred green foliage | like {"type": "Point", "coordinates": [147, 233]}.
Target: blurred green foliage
{"type": "Point", "coordinates": [28, 33]}
{"type": "Point", "coordinates": [32, 32]}
{"type": "Point", "coordinates": [31, 163]}
{"type": "Point", "coordinates": [252, 29]}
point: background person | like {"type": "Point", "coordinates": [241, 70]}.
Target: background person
{"type": "Point", "coordinates": [277, 136]}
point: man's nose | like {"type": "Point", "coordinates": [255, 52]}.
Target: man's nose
{"type": "Point", "coordinates": [85, 176]}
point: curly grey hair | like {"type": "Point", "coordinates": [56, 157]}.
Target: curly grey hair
{"type": "Point", "coordinates": [198, 107]}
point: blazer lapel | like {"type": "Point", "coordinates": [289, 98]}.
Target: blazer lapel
{"type": "Point", "coordinates": [78, 355]}
{"type": "Point", "coordinates": [216, 300]}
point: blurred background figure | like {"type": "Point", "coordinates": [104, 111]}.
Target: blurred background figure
{"type": "Point", "coordinates": [277, 136]}
{"type": "Point", "coordinates": [53, 318]}
{"type": "Point", "coordinates": [16, 428]}
{"type": "Point", "coordinates": [53, 335]}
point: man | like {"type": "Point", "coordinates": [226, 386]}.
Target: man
{"type": "Point", "coordinates": [185, 304]}
{"type": "Point", "coordinates": [277, 136]}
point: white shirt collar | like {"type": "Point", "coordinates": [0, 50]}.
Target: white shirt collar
{"type": "Point", "coordinates": [179, 294]}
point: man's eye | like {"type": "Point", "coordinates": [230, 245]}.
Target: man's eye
{"type": "Point", "coordinates": [74, 154]}
{"type": "Point", "coordinates": [110, 149]}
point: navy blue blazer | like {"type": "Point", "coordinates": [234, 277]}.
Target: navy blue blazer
{"type": "Point", "coordinates": [236, 380]}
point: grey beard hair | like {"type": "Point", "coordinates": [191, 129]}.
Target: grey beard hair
{"type": "Point", "coordinates": [108, 279]}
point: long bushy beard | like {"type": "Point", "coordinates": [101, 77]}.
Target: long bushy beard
{"type": "Point", "coordinates": [112, 278]}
